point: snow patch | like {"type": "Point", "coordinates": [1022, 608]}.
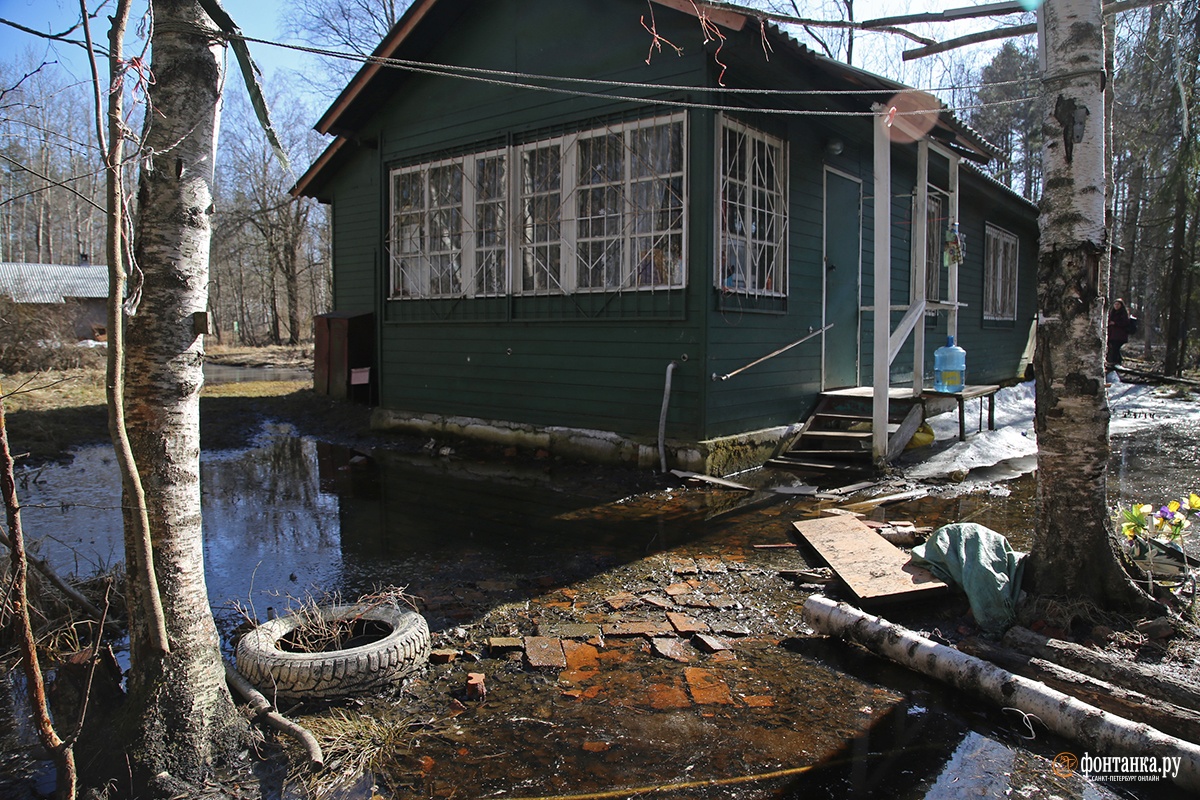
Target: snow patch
{"type": "Point", "coordinates": [1011, 449]}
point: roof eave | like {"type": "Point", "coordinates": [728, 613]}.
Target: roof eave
{"type": "Point", "coordinates": [386, 49]}
{"type": "Point", "coordinates": [305, 184]}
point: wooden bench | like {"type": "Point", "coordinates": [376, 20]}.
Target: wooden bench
{"type": "Point", "coordinates": [970, 393]}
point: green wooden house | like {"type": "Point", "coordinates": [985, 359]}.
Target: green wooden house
{"type": "Point", "coordinates": [570, 234]}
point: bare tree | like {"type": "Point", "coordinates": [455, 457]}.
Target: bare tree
{"type": "Point", "coordinates": [345, 26]}
{"type": "Point", "coordinates": [261, 218]}
{"type": "Point", "coordinates": [1074, 552]}
{"type": "Point", "coordinates": [179, 716]}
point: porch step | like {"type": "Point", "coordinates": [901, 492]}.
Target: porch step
{"type": "Point", "coordinates": [837, 435]}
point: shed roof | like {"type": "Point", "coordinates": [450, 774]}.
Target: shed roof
{"type": "Point", "coordinates": [52, 283]}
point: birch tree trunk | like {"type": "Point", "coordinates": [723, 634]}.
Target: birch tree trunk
{"type": "Point", "coordinates": [1073, 552]}
{"type": "Point", "coordinates": [181, 715]}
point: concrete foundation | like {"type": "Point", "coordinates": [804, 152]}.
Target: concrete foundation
{"type": "Point", "coordinates": [721, 456]}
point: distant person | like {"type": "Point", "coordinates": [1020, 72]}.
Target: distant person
{"type": "Point", "coordinates": [1121, 325]}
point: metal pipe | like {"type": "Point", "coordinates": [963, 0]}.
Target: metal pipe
{"type": "Point", "coordinates": [662, 417]}
{"type": "Point", "coordinates": [783, 349]}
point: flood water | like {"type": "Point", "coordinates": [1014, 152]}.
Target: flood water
{"type": "Point", "coordinates": [533, 548]}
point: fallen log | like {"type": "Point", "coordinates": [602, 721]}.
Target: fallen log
{"type": "Point", "coordinates": [1097, 730]}
{"type": "Point", "coordinates": [1167, 717]}
{"type": "Point", "coordinates": [1101, 665]}
{"type": "Point", "coordinates": [262, 709]}
{"type": "Point", "coordinates": [1157, 377]}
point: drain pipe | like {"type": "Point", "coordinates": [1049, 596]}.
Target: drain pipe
{"type": "Point", "coordinates": [662, 417]}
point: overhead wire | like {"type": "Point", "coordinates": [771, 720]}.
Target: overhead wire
{"type": "Point", "coordinates": [523, 80]}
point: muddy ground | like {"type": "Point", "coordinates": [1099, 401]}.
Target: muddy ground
{"type": "Point", "coordinates": [687, 672]}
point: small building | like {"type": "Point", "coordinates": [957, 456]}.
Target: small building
{"type": "Point", "coordinates": [80, 289]}
{"type": "Point", "coordinates": [571, 235]}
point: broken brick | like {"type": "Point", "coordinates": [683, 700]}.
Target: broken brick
{"type": "Point", "coordinates": [620, 600]}
{"type": "Point", "coordinates": [706, 687]}
{"type": "Point", "coordinates": [667, 695]}
{"type": "Point", "coordinates": [572, 677]}
{"type": "Point", "coordinates": [543, 651]}
{"type": "Point", "coordinates": [443, 655]}
{"type": "Point", "coordinates": [504, 644]}
{"type": "Point", "coordinates": [581, 656]}
{"type": "Point", "coordinates": [636, 629]}
{"type": "Point", "coordinates": [476, 688]}
{"type": "Point", "coordinates": [685, 625]}
{"type": "Point", "coordinates": [672, 648]}
{"type": "Point", "coordinates": [710, 644]}
{"type": "Point", "coordinates": [568, 630]}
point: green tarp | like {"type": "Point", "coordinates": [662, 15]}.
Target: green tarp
{"type": "Point", "coordinates": [982, 563]}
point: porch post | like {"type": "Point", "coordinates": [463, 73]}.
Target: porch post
{"type": "Point", "coordinates": [883, 283]}
{"type": "Point", "coordinates": [920, 250]}
{"type": "Point", "coordinates": [952, 278]}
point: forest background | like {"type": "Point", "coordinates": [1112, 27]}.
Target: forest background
{"type": "Point", "coordinates": [270, 270]}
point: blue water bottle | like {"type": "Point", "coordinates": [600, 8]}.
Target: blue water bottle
{"type": "Point", "coordinates": [949, 367]}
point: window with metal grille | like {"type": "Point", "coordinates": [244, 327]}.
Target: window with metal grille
{"type": "Point", "coordinates": [935, 245]}
{"type": "Point", "coordinates": [448, 234]}
{"type": "Point", "coordinates": [1000, 275]}
{"type": "Point", "coordinates": [596, 211]}
{"type": "Point", "coordinates": [603, 210]}
{"type": "Point", "coordinates": [753, 212]}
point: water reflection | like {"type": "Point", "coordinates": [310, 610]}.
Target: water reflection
{"type": "Point", "coordinates": [268, 527]}
{"type": "Point", "coordinates": [290, 516]}
{"type": "Point", "coordinates": [219, 373]}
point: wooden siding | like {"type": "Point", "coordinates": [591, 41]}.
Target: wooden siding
{"type": "Point", "coordinates": [781, 390]}
{"type": "Point", "coordinates": [527, 359]}
{"type": "Point", "coordinates": [356, 223]}
{"type": "Point", "coordinates": [539, 364]}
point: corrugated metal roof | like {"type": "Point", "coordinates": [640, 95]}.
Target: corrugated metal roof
{"type": "Point", "coordinates": [52, 283]}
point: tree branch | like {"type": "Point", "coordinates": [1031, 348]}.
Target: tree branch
{"type": "Point", "coordinates": [55, 37]}
{"type": "Point", "coordinates": [1016, 30]}
{"type": "Point", "coordinates": [969, 39]}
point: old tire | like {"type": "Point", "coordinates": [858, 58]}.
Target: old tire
{"type": "Point", "coordinates": [278, 673]}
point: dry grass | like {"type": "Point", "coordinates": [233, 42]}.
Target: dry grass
{"type": "Point", "coordinates": [282, 356]}
{"type": "Point", "coordinates": [357, 746]}
{"type": "Point", "coordinates": [54, 389]}
{"type": "Point", "coordinates": [48, 413]}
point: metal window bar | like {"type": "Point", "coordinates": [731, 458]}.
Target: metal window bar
{"type": "Point", "coordinates": [601, 211]}
{"type": "Point", "coordinates": [753, 213]}
{"type": "Point", "coordinates": [1000, 275]}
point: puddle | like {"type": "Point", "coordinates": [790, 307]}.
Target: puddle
{"type": "Point", "coordinates": [498, 550]}
{"type": "Point", "coordinates": [220, 373]}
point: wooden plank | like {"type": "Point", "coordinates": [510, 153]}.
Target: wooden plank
{"type": "Point", "coordinates": [695, 476]}
{"type": "Point", "coordinates": [873, 569]}
{"type": "Point", "coordinates": [881, 500]}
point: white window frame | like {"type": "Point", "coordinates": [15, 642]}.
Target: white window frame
{"type": "Point", "coordinates": [541, 257]}
{"type": "Point", "coordinates": [1002, 251]}
{"type": "Point", "coordinates": [753, 277]}
{"type": "Point", "coordinates": [636, 270]}
{"type": "Point", "coordinates": [936, 225]}
{"type": "Point", "coordinates": [412, 270]}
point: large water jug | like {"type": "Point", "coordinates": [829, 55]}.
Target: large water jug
{"type": "Point", "coordinates": [949, 367]}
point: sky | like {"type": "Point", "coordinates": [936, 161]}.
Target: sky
{"type": "Point", "coordinates": [257, 18]}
